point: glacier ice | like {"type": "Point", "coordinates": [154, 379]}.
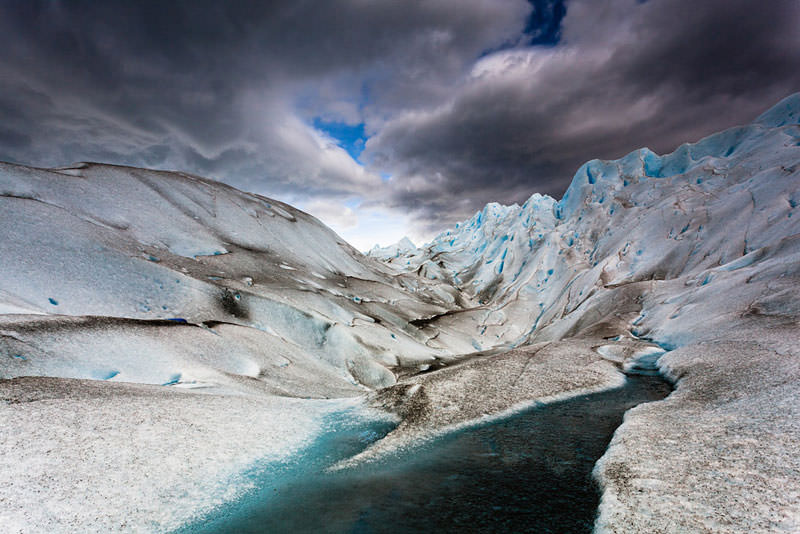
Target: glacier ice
{"type": "Point", "coordinates": [161, 319]}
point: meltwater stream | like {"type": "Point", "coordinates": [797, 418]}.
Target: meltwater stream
{"type": "Point", "coordinates": [530, 472]}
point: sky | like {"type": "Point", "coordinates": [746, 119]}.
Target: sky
{"type": "Point", "coordinates": [384, 118]}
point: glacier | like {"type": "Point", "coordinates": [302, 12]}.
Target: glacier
{"type": "Point", "coordinates": [161, 332]}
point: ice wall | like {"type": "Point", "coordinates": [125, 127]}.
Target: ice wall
{"type": "Point", "coordinates": [698, 214]}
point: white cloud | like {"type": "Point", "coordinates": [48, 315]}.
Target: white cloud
{"type": "Point", "coordinates": [364, 227]}
{"type": "Point", "coordinates": [335, 214]}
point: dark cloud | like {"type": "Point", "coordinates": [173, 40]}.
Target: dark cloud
{"type": "Point", "coordinates": [217, 87]}
{"type": "Point", "coordinates": [625, 75]}
{"type": "Point", "coordinates": [232, 90]}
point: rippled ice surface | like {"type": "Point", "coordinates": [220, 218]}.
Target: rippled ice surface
{"type": "Point", "coordinates": [530, 472]}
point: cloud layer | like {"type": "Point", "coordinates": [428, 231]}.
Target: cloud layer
{"type": "Point", "coordinates": [463, 102]}
{"type": "Point", "coordinates": [624, 75]}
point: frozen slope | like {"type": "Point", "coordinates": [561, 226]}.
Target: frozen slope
{"type": "Point", "coordinates": [697, 251]}
{"type": "Point", "coordinates": [101, 241]}
{"type": "Point", "coordinates": [700, 213]}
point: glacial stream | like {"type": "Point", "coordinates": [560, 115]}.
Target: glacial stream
{"type": "Point", "coordinates": [530, 472]}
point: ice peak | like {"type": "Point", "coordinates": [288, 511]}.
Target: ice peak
{"type": "Point", "coordinates": [597, 180]}
{"type": "Point", "coordinates": [785, 112]}
{"type": "Point", "coordinates": [405, 245]}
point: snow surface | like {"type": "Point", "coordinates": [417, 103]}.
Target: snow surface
{"type": "Point", "coordinates": [108, 241]}
{"type": "Point", "coordinates": [89, 456]}
{"type": "Point", "coordinates": [188, 329]}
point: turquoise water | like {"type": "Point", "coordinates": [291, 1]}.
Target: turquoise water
{"type": "Point", "coordinates": [530, 472]}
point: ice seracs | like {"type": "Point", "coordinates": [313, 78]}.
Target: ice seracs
{"type": "Point", "coordinates": [701, 212]}
{"type": "Point", "coordinates": [386, 253]}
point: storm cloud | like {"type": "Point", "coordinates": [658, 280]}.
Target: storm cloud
{"type": "Point", "coordinates": [460, 102]}
{"type": "Point", "coordinates": [624, 75]}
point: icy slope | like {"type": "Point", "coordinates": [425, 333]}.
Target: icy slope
{"type": "Point", "coordinates": [259, 276]}
{"type": "Point", "coordinates": [700, 214]}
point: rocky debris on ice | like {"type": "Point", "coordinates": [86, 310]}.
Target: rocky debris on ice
{"type": "Point", "coordinates": [501, 382]}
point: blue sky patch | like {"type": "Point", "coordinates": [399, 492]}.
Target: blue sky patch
{"type": "Point", "coordinates": [543, 26]}
{"type": "Point", "coordinates": [348, 136]}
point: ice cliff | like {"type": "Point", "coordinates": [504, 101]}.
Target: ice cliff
{"type": "Point", "coordinates": [701, 215]}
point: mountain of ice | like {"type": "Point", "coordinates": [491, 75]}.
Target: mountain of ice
{"type": "Point", "coordinates": [699, 214]}
{"type": "Point", "coordinates": [159, 332]}
{"type": "Point", "coordinates": [392, 251]}
{"type": "Point", "coordinates": [479, 254]}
